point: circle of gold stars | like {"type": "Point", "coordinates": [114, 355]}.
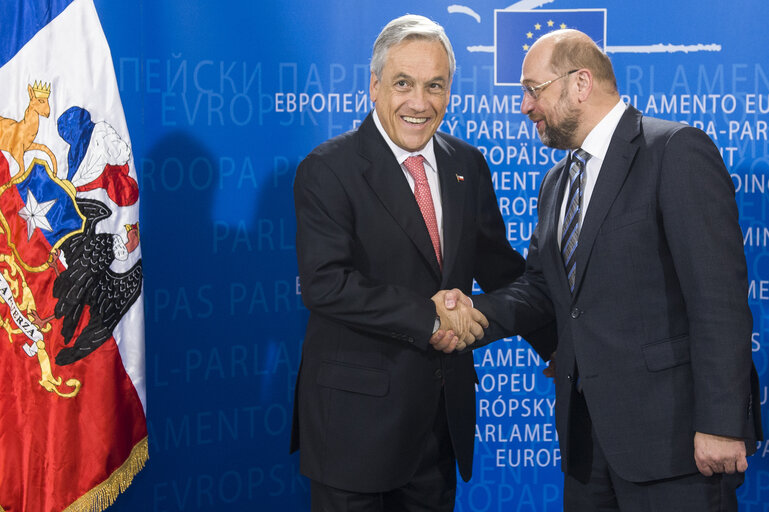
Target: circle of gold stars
{"type": "Point", "coordinates": [538, 28]}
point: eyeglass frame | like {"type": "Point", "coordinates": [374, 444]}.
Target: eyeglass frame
{"type": "Point", "coordinates": [535, 91]}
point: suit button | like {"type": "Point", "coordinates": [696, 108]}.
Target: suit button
{"type": "Point", "coordinates": [410, 339]}
{"type": "Point", "coordinates": [569, 378]}
{"type": "Point", "coordinates": [438, 373]}
{"type": "Point", "coordinates": [575, 313]}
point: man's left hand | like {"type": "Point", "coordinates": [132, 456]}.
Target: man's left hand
{"type": "Point", "coordinates": [718, 454]}
{"type": "Point", "coordinates": [445, 341]}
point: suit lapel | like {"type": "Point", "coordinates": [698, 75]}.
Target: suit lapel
{"type": "Point", "coordinates": [453, 190]}
{"type": "Point", "coordinates": [549, 239]}
{"type": "Point", "coordinates": [388, 183]}
{"type": "Point", "coordinates": [613, 172]}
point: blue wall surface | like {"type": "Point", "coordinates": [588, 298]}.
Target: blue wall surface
{"type": "Point", "coordinates": [223, 99]}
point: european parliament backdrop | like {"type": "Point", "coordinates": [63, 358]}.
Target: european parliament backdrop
{"type": "Point", "coordinates": [223, 99]}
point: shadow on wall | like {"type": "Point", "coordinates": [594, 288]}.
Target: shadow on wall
{"type": "Point", "coordinates": [224, 326]}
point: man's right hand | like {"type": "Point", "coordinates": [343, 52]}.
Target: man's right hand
{"type": "Point", "coordinates": [461, 325]}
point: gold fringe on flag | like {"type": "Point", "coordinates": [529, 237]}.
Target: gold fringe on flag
{"type": "Point", "coordinates": [105, 494]}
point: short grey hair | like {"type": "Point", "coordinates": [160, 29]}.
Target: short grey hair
{"type": "Point", "coordinates": [410, 26]}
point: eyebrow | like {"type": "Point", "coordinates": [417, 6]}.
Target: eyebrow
{"type": "Point", "coordinates": [409, 77]}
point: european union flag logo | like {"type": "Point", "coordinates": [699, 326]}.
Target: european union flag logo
{"type": "Point", "coordinates": [516, 31]}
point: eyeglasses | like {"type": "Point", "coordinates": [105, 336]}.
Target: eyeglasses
{"type": "Point", "coordinates": [535, 91]}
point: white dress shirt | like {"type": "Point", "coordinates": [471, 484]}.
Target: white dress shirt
{"type": "Point", "coordinates": [431, 170]}
{"type": "Point", "coordinates": [595, 144]}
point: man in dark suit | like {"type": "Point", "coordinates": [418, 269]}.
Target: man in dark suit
{"type": "Point", "coordinates": [388, 215]}
{"type": "Point", "coordinates": [639, 251]}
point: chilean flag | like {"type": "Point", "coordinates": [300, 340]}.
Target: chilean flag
{"type": "Point", "coordinates": [73, 433]}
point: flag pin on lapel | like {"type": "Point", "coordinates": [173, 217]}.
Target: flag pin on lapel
{"type": "Point", "coordinates": [460, 177]}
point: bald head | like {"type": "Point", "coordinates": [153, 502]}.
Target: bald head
{"type": "Point", "coordinates": [569, 49]}
{"type": "Point", "coordinates": [569, 87]}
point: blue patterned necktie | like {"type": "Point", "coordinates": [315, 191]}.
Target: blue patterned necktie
{"type": "Point", "coordinates": [572, 218]}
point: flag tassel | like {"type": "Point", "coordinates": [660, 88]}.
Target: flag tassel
{"type": "Point", "coordinates": [105, 494]}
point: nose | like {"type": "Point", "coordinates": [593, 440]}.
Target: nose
{"type": "Point", "coordinates": [527, 104]}
{"type": "Point", "coordinates": [418, 99]}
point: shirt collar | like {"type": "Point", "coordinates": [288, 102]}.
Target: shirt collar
{"type": "Point", "coordinates": [428, 152]}
{"type": "Point", "coordinates": [597, 141]}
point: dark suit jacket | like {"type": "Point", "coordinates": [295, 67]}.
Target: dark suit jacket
{"type": "Point", "coordinates": [369, 384]}
{"type": "Point", "coordinates": [658, 325]}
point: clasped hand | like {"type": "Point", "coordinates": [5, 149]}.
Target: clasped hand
{"type": "Point", "coordinates": [461, 324]}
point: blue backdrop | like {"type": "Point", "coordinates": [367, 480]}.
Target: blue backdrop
{"type": "Point", "coordinates": [223, 99]}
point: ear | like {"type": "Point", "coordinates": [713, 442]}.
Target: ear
{"type": "Point", "coordinates": [373, 86]}
{"type": "Point", "coordinates": [584, 81]}
{"type": "Point", "coordinates": [29, 90]}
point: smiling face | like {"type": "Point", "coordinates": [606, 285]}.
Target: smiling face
{"type": "Point", "coordinates": [413, 92]}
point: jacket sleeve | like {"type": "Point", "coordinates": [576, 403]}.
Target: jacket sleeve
{"type": "Point", "coordinates": [700, 218]}
{"type": "Point", "coordinates": [522, 308]}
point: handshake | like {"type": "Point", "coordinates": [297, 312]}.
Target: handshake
{"type": "Point", "coordinates": [461, 325]}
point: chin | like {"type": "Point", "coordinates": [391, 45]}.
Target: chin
{"type": "Point", "coordinates": [413, 145]}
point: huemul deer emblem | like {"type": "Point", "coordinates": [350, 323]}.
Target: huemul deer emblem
{"type": "Point", "coordinates": [18, 137]}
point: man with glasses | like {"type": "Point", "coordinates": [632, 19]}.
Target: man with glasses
{"type": "Point", "coordinates": [639, 251]}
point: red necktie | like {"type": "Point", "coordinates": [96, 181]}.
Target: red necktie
{"type": "Point", "coordinates": [416, 168]}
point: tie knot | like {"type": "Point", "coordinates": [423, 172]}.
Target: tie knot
{"type": "Point", "coordinates": [415, 167]}
{"type": "Point", "coordinates": [580, 155]}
